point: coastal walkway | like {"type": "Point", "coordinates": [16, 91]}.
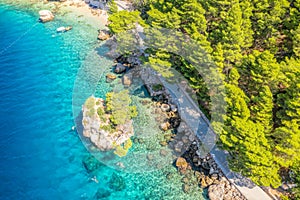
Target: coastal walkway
{"type": "Point", "coordinates": [200, 125]}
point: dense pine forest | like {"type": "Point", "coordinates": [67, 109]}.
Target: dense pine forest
{"type": "Point", "coordinates": [256, 47]}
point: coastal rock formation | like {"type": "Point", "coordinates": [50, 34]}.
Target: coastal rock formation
{"type": "Point", "coordinates": [103, 35]}
{"type": "Point", "coordinates": [97, 126]}
{"type": "Point", "coordinates": [46, 16]}
{"type": "Point", "coordinates": [207, 175]}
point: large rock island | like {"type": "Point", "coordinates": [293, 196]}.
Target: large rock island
{"type": "Point", "coordinates": [108, 124]}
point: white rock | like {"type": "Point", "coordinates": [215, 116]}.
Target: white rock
{"type": "Point", "coordinates": [46, 16]}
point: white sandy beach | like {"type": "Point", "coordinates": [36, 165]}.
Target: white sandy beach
{"type": "Point", "coordinates": [94, 17]}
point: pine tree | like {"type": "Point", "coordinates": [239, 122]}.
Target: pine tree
{"type": "Point", "coordinates": [296, 41]}
{"type": "Point", "coordinates": [124, 20]}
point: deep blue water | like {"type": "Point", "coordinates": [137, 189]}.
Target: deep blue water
{"type": "Point", "coordinates": [41, 158]}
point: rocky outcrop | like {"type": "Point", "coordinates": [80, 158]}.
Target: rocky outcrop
{"type": "Point", "coordinates": [98, 127]}
{"type": "Point", "coordinates": [207, 175]}
{"type": "Point", "coordinates": [46, 16]}
{"type": "Point", "coordinates": [103, 35]}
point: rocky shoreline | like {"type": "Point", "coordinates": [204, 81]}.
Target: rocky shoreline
{"type": "Point", "coordinates": [195, 170]}
{"type": "Point", "coordinates": [207, 174]}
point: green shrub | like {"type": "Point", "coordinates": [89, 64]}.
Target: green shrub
{"type": "Point", "coordinates": [90, 102]}
{"type": "Point", "coordinates": [118, 103]}
{"type": "Point", "coordinates": [157, 87]}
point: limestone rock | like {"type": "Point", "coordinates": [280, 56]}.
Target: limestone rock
{"type": "Point", "coordinates": [186, 188]}
{"type": "Point", "coordinates": [165, 107]}
{"type": "Point", "coordinates": [216, 192]}
{"type": "Point", "coordinates": [165, 126]}
{"type": "Point", "coordinates": [46, 16]}
{"type": "Point", "coordinates": [103, 138]}
{"type": "Point", "coordinates": [103, 35]}
{"type": "Point", "coordinates": [110, 77]}
{"type": "Point", "coordinates": [208, 180]}
{"type": "Point", "coordinates": [181, 163]}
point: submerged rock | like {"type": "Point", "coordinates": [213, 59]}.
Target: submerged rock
{"type": "Point", "coordinates": [117, 182]}
{"type": "Point", "coordinates": [102, 193]}
{"type": "Point", "coordinates": [186, 188]}
{"type": "Point", "coordinates": [91, 164]}
{"type": "Point", "coordinates": [165, 126]}
{"type": "Point", "coordinates": [110, 77]}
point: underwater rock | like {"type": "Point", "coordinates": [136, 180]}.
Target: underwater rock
{"type": "Point", "coordinates": [110, 77]}
{"type": "Point", "coordinates": [163, 143]}
{"type": "Point", "coordinates": [185, 180]}
{"type": "Point", "coordinates": [163, 152]}
{"type": "Point", "coordinates": [117, 182]}
{"type": "Point", "coordinates": [102, 193]}
{"type": "Point", "coordinates": [165, 126]}
{"type": "Point", "coordinates": [165, 107]}
{"type": "Point", "coordinates": [91, 164]}
{"type": "Point", "coordinates": [186, 188]}
{"type": "Point", "coordinates": [181, 163]}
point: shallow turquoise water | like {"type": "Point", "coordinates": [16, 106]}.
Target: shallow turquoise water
{"type": "Point", "coordinates": [41, 157]}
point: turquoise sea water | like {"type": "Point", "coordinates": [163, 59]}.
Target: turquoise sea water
{"type": "Point", "coordinates": [41, 157]}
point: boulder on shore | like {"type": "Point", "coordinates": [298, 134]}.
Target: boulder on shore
{"type": "Point", "coordinates": [103, 35]}
{"type": "Point", "coordinates": [120, 68]}
{"type": "Point", "coordinates": [181, 163]}
{"type": "Point", "coordinates": [216, 192]}
{"type": "Point", "coordinates": [110, 77]}
{"type": "Point", "coordinates": [46, 16]}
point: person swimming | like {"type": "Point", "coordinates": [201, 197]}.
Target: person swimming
{"type": "Point", "coordinates": [95, 179]}
{"type": "Point", "coordinates": [73, 128]}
